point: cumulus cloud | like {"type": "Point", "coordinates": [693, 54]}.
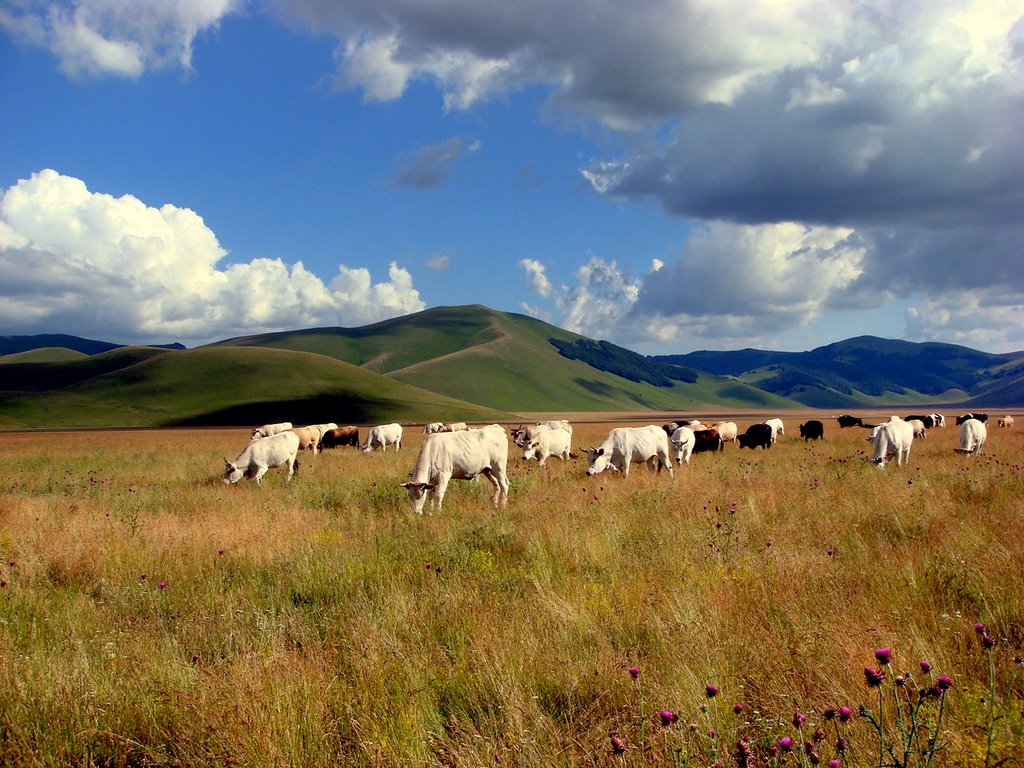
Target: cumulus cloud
{"type": "Point", "coordinates": [75, 260]}
{"type": "Point", "coordinates": [985, 320]}
{"type": "Point", "coordinates": [110, 37]}
{"type": "Point", "coordinates": [431, 166]}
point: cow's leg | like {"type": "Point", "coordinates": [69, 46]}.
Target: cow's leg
{"type": "Point", "coordinates": [668, 466]}
{"type": "Point", "coordinates": [260, 472]}
{"type": "Point", "coordinates": [291, 468]}
{"type": "Point", "coordinates": [500, 480]}
{"type": "Point", "coordinates": [440, 488]}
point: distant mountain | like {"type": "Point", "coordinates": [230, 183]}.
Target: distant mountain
{"type": "Point", "coordinates": [10, 345]}
{"type": "Point", "coordinates": [867, 370]}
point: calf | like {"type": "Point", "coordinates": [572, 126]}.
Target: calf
{"type": "Point", "coordinates": [1006, 421]}
{"type": "Point", "coordinates": [812, 430]}
{"type": "Point", "coordinates": [756, 435]}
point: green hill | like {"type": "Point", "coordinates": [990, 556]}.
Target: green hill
{"type": "Point", "coordinates": [142, 386]}
{"type": "Point", "coordinates": [506, 361]}
{"type": "Point", "coordinates": [43, 355]}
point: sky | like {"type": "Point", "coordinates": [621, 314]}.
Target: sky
{"type": "Point", "coordinates": [669, 175]}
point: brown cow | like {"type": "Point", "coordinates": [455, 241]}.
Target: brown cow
{"type": "Point", "coordinates": [340, 436]}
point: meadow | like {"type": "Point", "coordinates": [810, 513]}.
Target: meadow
{"type": "Point", "coordinates": [152, 616]}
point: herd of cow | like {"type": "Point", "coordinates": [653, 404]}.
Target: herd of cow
{"type": "Point", "coordinates": [460, 452]}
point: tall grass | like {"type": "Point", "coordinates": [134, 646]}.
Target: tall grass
{"type": "Point", "coordinates": [151, 615]}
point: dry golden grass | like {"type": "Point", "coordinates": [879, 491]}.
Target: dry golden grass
{"type": "Point", "coordinates": [153, 616]}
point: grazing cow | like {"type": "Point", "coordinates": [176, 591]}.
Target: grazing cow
{"type": "Point", "coordinates": [550, 442]}
{"type": "Point", "coordinates": [973, 434]}
{"type": "Point", "coordinates": [683, 441]}
{"type": "Point", "coordinates": [919, 428]}
{"type": "Point", "coordinates": [309, 437]}
{"type": "Point", "coordinates": [812, 430]}
{"type": "Point", "coordinates": [846, 420]}
{"type": "Point", "coordinates": [982, 417]}
{"type": "Point", "coordinates": [525, 435]}
{"type": "Point", "coordinates": [939, 419]}
{"type": "Point", "coordinates": [927, 419]}
{"type": "Point", "coordinates": [727, 430]}
{"type": "Point", "coordinates": [433, 427]}
{"type": "Point", "coordinates": [778, 428]}
{"type": "Point", "coordinates": [340, 436]}
{"type": "Point", "coordinates": [1006, 421]}
{"type": "Point", "coordinates": [626, 445]}
{"type": "Point", "coordinates": [262, 454]}
{"type": "Point", "coordinates": [458, 426]}
{"type": "Point", "coordinates": [556, 424]}
{"type": "Point", "coordinates": [384, 435]}
{"type": "Point", "coordinates": [894, 437]}
{"type": "Point", "coordinates": [706, 440]}
{"type": "Point", "coordinates": [756, 435]}
{"type": "Point", "coordinates": [271, 429]}
{"type": "Point", "coordinates": [460, 455]}
{"type": "Point", "coordinates": [670, 428]}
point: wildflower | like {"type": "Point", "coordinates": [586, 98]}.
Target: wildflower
{"type": "Point", "coordinates": [786, 744]}
{"type": "Point", "coordinates": [926, 667]}
{"type": "Point", "coordinates": [142, 576]}
{"type": "Point", "coordinates": [667, 717]}
{"type": "Point", "coordinates": [841, 745]}
{"type": "Point", "coordinates": [943, 682]}
{"type": "Point", "coordinates": [711, 690]}
{"type": "Point", "coordinates": [830, 551]}
{"type": "Point", "coordinates": [1018, 660]}
{"type": "Point", "coordinates": [819, 735]}
{"type": "Point", "coordinates": [845, 713]}
{"type": "Point", "coordinates": [195, 658]}
{"type": "Point", "coordinates": [979, 628]}
{"type": "Point", "coordinates": [737, 707]}
{"type": "Point", "coordinates": [3, 583]}
{"type": "Point", "coordinates": [883, 656]}
{"type": "Point", "coordinates": [873, 677]}
{"type": "Point", "coordinates": [829, 714]}
{"type": "Point", "coordinates": [987, 642]}
{"type": "Point", "coordinates": [773, 751]}
{"type": "Point", "coordinates": [900, 680]}
{"type": "Point", "coordinates": [221, 551]}
{"type": "Point", "coordinates": [634, 672]}
{"type": "Point", "coordinates": [834, 763]}
{"type": "Point", "coordinates": [618, 745]}
{"type": "Point", "coordinates": [163, 585]}
{"type": "Point", "coordinates": [799, 718]}
{"type": "Point", "coordinates": [712, 733]}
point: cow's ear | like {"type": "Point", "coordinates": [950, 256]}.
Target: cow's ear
{"type": "Point", "coordinates": [600, 451]}
{"type": "Point", "coordinates": [227, 462]}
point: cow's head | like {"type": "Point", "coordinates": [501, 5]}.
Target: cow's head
{"type": "Point", "coordinates": [532, 450]}
{"type": "Point", "coordinates": [598, 460]}
{"type": "Point", "coordinates": [232, 473]}
{"type": "Point", "coordinates": [418, 494]}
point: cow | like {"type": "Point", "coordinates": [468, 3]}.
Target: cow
{"type": "Point", "coordinates": [384, 435]}
{"type": "Point", "coordinates": [459, 455]}
{"type": "Point", "coordinates": [1006, 421]}
{"type": "Point", "coordinates": [332, 438]}
{"type": "Point", "coordinates": [556, 424]}
{"type": "Point", "coordinates": [433, 427]}
{"type": "Point", "coordinates": [727, 430]}
{"type": "Point", "coordinates": [893, 437]}
{"type": "Point", "coordinates": [812, 430]}
{"type": "Point", "coordinates": [309, 437]}
{"type": "Point", "coordinates": [846, 420]}
{"type": "Point", "coordinates": [683, 441]}
{"type": "Point", "coordinates": [706, 440]}
{"type": "Point", "coordinates": [670, 428]}
{"type": "Point", "coordinates": [550, 442]}
{"type": "Point", "coordinates": [524, 435]}
{"type": "Point", "coordinates": [778, 428]}
{"type": "Point", "coordinates": [262, 454]}
{"type": "Point", "coordinates": [982, 417]}
{"type": "Point", "coordinates": [939, 419]}
{"type": "Point", "coordinates": [626, 445]}
{"type": "Point", "coordinates": [458, 426]}
{"type": "Point", "coordinates": [271, 429]}
{"type": "Point", "coordinates": [919, 428]}
{"type": "Point", "coordinates": [756, 435]}
{"type": "Point", "coordinates": [927, 420]}
{"type": "Point", "coordinates": [973, 434]}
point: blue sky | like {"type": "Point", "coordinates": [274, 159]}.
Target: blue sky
{"type": "Point", "coordinates": [667, 175]}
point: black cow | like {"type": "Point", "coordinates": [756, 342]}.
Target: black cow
{"type": "Point", "coordinates": [928, 420]}
{"type": "Point", "coordinates": [982, 417]}
{"type": "Point", "coordinates": [756, 435]}
{"type": "Point", "coordinates": [706, 440]}
{"type": "Point", "coordinates": [846, 420]}
{"type": "Point", "coordinates": [812, 430]}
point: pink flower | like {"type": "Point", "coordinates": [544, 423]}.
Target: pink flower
{"type": "Point", "coordinates": [845, 713]}
{"type": "Point", "coordinates": [711, 690]}
{"type": "Point", "coordinates": [883, 656]}
{"type": "Point", "coordinates": [634, 672]}
{"type": "Point", "coordinates": [926, 667]}
{"type": "Point", "coordinates": [737, 707]}
{"type": "Point", "coordinates": [873, 677]}
{"type": "Point", "coordinates": [667, 717]}
{"type": "Point", "coordinates": [786, 744]}
{"type": "Point", "coordinates": [618, 745]}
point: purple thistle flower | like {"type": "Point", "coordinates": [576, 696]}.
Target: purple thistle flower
{"type": "Point", "coordinates": [221, 551]}
{"type": "Point", "coordinates": [799, 718]}
{"type": "Point", "coordinates": [873, 677]}
{"type": "Point", "coordinates": [845, 713]}
{"type": "Point", "coordinates": [142, 576]}
{"type": "Point", "coordinates": [618, 745]}
{"type": "Point", "coordinates": [773, 750]}
{"type": "Point", "coordinates": [987, 642]}
{"type": "Point", "coordinates": [667, 717]}
{"type": "Point", "coordinates": [162, 585]}
{"type": "Point", "coordinates": [737, 707]}
{"type": "Point", "coordinates": [979, 628]}
{"type": "Point", "coordinates": [834, 763]}
{"type": "Point", "coordinates": [883, 656]}
{"type": "Point", "coordinates": [943, 682]}
{"type": "Point", "coordinates": [786, 744]}
{"type": "Point", "coordinates": [711, 690]}
{"type": "Point", "coordinates": [195, 658]}
{"type": "Point", "coordinates": [829, 714]}
{"type": "Point", "coordinates": [841, 745]}
{"type": "Point", "coordinates": [926, 667]}
{"type": "Point", "coordinates": [634, 672]}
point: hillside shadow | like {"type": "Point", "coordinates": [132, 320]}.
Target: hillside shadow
{"type": "Point", "coordinates": [313, 410]}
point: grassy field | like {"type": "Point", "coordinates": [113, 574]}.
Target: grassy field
{"type": "Point", "coordinates": [151, 615]}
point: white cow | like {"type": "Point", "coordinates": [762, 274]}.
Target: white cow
{"type": "Point", "coordinates": [559, 424]}
{"type": "Point", "coordinates": [261, 454]}
{"type": "Point", "coordinates": [940, 420]}
{"type": "Point", "coordinates": [1006, 421]}
{"type": "Point", "coordinates": [433, 427]}
{"type": "Point", "coordinates": [683, 441]}
{"type": "Point", "coordinates": [778, 428]}
{"type": "Point", "coordinates": [973, 434]}
{"type": "Point", "coordinates": [458, 426]}
{"type": "Point", "coordinates": [893, 437]}
{"type": "Point", "coordinates": [459, 456]}
{"type": "Point", "coordinates": [523, 436]}
{"type": "Point", "coordinates": [271, 429]}
{"type": "Point", "coordinates": [727, 431]}
{"type": "Point", "coordinates": [384, 435]}
{"type": "Point", "coordinates": [550, 442]}
{"type": "Point", "coordinates": [626, 445]}
{"type": "Point", "coordinates": [919, 430]}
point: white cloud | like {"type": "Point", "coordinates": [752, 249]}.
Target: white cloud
{"type": "Point", "coordinates": [111, 37]}
{"type": "Point", "coordinates": [536, 277]}
{"type": "Point", "coordinates": [88, 263]}
{"type": "Point", "coordinates": [980, 319]}
{"type": "Point", "coordinates": [439, 262]}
